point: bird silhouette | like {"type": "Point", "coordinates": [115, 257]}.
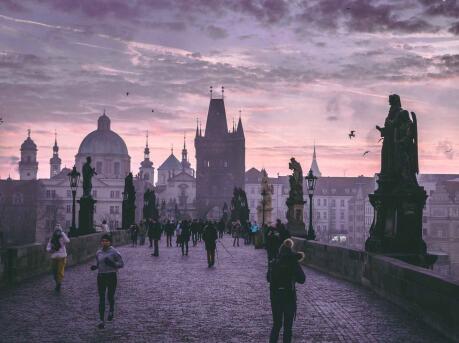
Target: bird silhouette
{"type": "Point", "coordinates": [152, 110]}
{"type": "Point", "coordinates": [127, 93]}
{"type": "Point", "coordinates": [366, 153]}
{"type": "Point", "coordinates": [351, 134]}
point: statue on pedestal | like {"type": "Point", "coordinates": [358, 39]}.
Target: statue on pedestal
{"type": "Point", "coordinates": [398, 200]}
{"type": "Point", "coordinates": [128, 202]}
{"type": "Point", "coordinates": [295, 202]}
{"type": "Point", "coordinates": [264, 209]}
{"type": "Point", "coordinates": [88, 173]}
{"type": "Point", "coordinates": [86, 213]}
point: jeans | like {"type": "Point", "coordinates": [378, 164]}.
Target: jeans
{"type": "Point", "coordinates": [169, 240]}
{"type": "Point", "coordinates": [184, 245]}
{"type": "Point", "coordinates": [106, 282]}
{"type": "Point", "coordinates": [236, 239]}
{"type": "Point", "coordinates": [211, 257]}
{"type": "Point", "coordinates": [283, 305]}
{"type": "Point", "coordinates": [156, 251]}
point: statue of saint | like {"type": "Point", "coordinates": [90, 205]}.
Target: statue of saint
{"type": "Point", "coordinates": [296, 181]}
{"type": "Point", "coordinates": [399, 155]}
{"type": "Point", "coordinates": [407, 148]}
{"type": "Point", "coordinates": [88, 172]}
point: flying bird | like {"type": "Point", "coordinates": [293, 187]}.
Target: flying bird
{"type": "Point", "coordinates": [352, 134]}
{"type": "Point", "coordinates": [366, 153]}
{"type": "Point", "coordinates": [152, 111]}
{"type": "Point", "coordinates": [127, 93]}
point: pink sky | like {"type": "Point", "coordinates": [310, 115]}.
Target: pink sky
{"type": "Point", "coordinates": [297, 78]}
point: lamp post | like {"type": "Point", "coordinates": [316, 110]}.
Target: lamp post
{"type": "Point", "coordinates": [263, 205]}
{"type": "Point", "coordinates": [74, 179]}
{"type": "Point", "coordinates": [311, 180]}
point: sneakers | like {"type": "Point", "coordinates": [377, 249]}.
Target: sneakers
{"type": "Point", "coordinates": [101, 325]}
{"type": "Point", "coordinates": [110, 316]}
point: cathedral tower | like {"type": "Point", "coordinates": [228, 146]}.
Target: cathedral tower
{"type": "Point", "coordinates": [146, 171]}
{"type": "Point", "coordinates": [28, 165]}
{"type": "Point", "coordinates": [220, 160]}
{"type": "Point", "coordinates": [55, 161]}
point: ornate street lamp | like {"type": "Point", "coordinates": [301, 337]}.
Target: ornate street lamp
{"type": "Point", "coordinates": [311, 180]}
{"type": "Point", "coordinates": [74, 179]}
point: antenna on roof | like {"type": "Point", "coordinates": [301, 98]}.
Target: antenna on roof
{"type": "Point", "coordinates": [147, 139]}
{"type": "Point", "coordinates": [210, 92]}
{"type": "Point", "coordinates": [223, 92]}
{"type": "Point", "coordinates": [172, 148]}
{"type": "Point", "coordinates": [28, 133]}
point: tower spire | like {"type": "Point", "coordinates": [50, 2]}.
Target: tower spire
{"type": "Point", "coordinates": [223, 92]}
{"type": "Point", "coordinates": [210, 92]}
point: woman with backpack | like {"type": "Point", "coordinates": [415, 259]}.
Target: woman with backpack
{"type": "Point", "coordinates": [56, 246]}
{"type": "Point", "coordinates": [283, 273]}
{"type": "Point", "coordinates": [108, 261]}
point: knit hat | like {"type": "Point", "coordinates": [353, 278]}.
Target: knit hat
{"type": "Point", "coordinates": [107, 237]}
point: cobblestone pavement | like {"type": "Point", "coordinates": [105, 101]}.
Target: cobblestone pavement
{"type": "Point", "coordinates": [171, 298]}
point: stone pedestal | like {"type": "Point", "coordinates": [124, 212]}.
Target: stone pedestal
{"type": "Point", "coordinates": [86, 216]}
{"type": "Point", "coordinates": [295, 221]}
{"type": "Point", "coordinates": [267, 215]}
{"type": "Point", "coordinates": [397, 224]}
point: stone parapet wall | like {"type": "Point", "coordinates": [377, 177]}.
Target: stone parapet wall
{"type": "Point", "coordinates": [18, 263]}
{"type": "Point", "coordinates": [432, 298]}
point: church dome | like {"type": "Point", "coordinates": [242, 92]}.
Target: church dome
{"type": "Point", "coordinates": [103, 141]}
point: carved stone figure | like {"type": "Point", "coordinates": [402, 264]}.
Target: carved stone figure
{"type": "Point", "coordinates": [296, 181]}
{"type": "Point", "coordinates": [88, 172]}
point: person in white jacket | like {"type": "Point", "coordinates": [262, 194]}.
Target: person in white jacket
{"type": "Point", "coordinates": [56, 246]}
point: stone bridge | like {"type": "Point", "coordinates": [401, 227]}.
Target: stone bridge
{"type": "Point", "coordinates": [178, 299]}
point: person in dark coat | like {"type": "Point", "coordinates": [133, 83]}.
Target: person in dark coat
{"type": "Point", "coordinates": [283, 232]}
{"type": "Point", "coordinates": [170, 228]}
{"type": "Point", "coordinates": [194, 232]}
{"type": "Point", "coordinates": [134, 234]}
{"type": "Point", "coordinates": [150, 231]}
{"type": "Point", "coordinates": [283, 273]}
{"type": "Point", "coordinates": [156, 236]}
{"type": "Point", "coordinates": [185, 237]}
{"type": "Point", "coordinates": [210, 236]}
{"type": "Point", "coordinates": [273, 242]}
{"type": "Point", "coordinates": [221, 228]}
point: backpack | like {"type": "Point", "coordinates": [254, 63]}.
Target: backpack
{"type": "Point", "coordinates": [281, 274]}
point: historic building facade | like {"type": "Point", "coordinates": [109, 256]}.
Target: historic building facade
{"type": "Point", "coordinates": [220, 161]}
{"type": "Point", "coordinates": [51, 200]}
{"type": "Point", "coordinates": [176, 188]}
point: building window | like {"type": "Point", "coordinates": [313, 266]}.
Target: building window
{"type": "Point", "coordinates": [18, 199]}
{"type": "Point", "coordinates": [325, 202]}
{"type": "Point", "coordinates": [99, 167]}
{"type": "Point", "coordinates": [342, 203]}
{"type": "Point", "coordinates": [69, 208]}
{"type": "Point", "coordinates": [117, 168]}
{"type": "Point", "coordinates": [69, 194]}
{"type": "Point", "coordinates": [50, 193]}
{"type": "Point", "coordinates": [225, 164]}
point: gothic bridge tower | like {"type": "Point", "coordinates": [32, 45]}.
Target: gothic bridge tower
{"type": "Point", "coordinates": [220, 160]}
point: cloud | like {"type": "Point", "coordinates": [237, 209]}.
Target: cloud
{"type": "Point", "coordinates": [445, 148]}
{"type": "Point", "coordinates": [333, 109]}
{"type": "Point", "coordinates": [454, 29]}
{"type": "Point", "coordinates": [216, 32]}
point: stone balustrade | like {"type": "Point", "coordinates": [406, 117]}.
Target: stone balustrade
{"type": "Point", "coordinates": [433, 298]}
{"type": "Point", "coordinates": [18, 263]}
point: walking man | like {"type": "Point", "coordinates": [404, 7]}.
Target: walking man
{"type": "Point", "coordinates": [236, 232]}
{"type": "Point", "coordinates": [210, 236]}
{"type": "Point", "coordinates": [185, 237]}
{"type": "Point", "coordinates": [156, 237]}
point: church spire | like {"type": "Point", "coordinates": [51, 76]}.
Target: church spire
{"type": "Point", "coordinates": [146, 152]}
{"type": "Point", "coordinates": [240, 129]}
{"type": "Point", "coordinates": [314, 166]}
{"type": "Point", "coordinates": [55, 161]}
